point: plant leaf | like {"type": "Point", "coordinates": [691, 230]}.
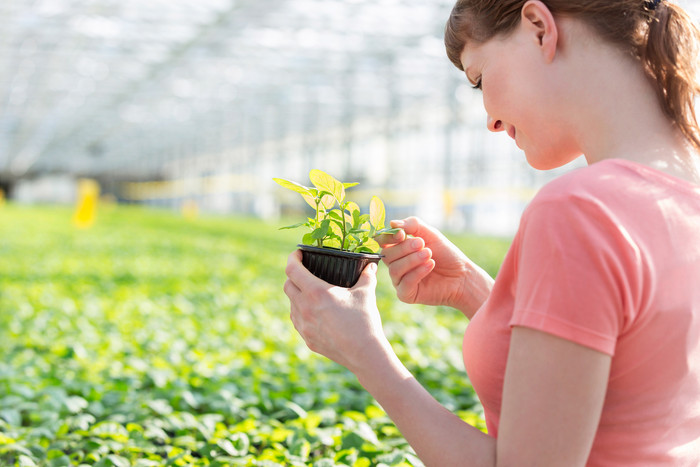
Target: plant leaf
{"type": "Point", "coordinates": [310, 200]}
{"type": "Point", "coordinates": [294, 186]}
{"type": "Point", "coordinates": [337, 228]}
{"type": "Point", "coordinates": [333, 241]}
{"type": "Point", "coordinates": [377, 213]}
{"type": "Point", "coordinates": [372, 246]}
{"type": "Point", "coordinates": [351, 207]}
{"type": "Point", "coordinates": [307, 239]}
{"type": "Point", "coordinates": [326, 182]}
{"type": "Point", "coordinates": [388, 231]}
{"type": "Point", "coordinates": [322, 230]}
{"type": "Point", "coordinates": [294, 226]}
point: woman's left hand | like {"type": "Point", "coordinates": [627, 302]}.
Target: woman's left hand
{"type": "Point", "coordinates": [340, 323]}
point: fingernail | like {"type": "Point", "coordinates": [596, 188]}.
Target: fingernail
{"type": "Point", "coordinates": [416, 243]}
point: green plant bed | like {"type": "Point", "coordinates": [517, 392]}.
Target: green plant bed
{"type": "Point", "coordinates": [154, 340]}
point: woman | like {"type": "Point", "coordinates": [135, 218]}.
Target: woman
{"type": "Point", "coordinates": [586, 348]}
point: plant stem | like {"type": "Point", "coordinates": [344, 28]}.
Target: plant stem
{"type": "Point", "coordinates": [318, 205]}
{"type": "Point", "coordinates": [342, 227]}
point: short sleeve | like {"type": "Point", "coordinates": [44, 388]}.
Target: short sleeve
{"type": "Point", "coordinates": [577, 272]}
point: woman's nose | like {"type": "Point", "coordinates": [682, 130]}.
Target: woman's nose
{"type": "Point", "coordinates": [493, 124]}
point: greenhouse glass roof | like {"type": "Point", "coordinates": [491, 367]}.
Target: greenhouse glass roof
{"type": "Point", "coordinates": [109, 85]}
{"type": "Point", "coordinates": [123, 86]}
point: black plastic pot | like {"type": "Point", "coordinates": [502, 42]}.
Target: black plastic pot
{"type": "Point", "coordinates": [335, 266]}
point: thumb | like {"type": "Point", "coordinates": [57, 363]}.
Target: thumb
{"type": "Point", "coordinates": [368, 278]}
{"type": "Point", "coordinates": [416, 227]}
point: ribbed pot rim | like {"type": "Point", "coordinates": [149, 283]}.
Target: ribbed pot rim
{"type": "Point", "coordinates": [326, 250]}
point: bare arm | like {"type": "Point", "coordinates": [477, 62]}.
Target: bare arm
{"type": "Point", "coordinates": [553, 392]}
{"type": "Point", "coordinates": [552, 400]}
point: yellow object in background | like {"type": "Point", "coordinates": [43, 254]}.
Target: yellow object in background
{"type": "Point", "coordinates": [86, 208]}
{"type": "Point", "coordinates": [190, 209]}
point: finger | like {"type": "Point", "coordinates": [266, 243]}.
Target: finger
{"type": "Point", "coordinates": [390, 239]}
{"type": "Point", "coordinates": [299, 275]}
{"type": "Point", "coordinates": [407, 288]}
{"type": "Point", "coordinates": [368, 278]}
{"type": "Point", "coordinates": [293, 317]}
{"type": "Point", "coordinates": [291, 290]}
{"type": "Point", "coordinates": [399, 268]}
{"type": "Point", "coordinates": [294, 260]}
{"type": "Point", "coordinates": [405, 248]}
{"type": "Point", "coordinates": [416, 227]}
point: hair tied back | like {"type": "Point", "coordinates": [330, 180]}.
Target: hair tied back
{"type": "Point", "coordinates": [651, 4]}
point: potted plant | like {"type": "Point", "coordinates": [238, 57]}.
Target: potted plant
{"type": "Point", "coordinates": [340, 239]}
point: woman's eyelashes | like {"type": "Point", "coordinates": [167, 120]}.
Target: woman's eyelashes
{"type": "Point", "coordinates": [477, 83]}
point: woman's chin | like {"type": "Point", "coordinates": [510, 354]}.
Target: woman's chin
{"type": "Point", "coordinates": [548, 160]}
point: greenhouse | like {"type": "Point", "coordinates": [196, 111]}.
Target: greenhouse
{"type": "Point", "coordinates": [143, 320]}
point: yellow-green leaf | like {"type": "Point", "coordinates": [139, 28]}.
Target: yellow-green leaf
{"type": "Point", "coordinates": [294, 186]}
{"type": "Point", "coordinates": [326, 182]}
{"type": "Point", "coordinates": [377, 213]}
{"type": "Point", "coordinates": [351, 207]}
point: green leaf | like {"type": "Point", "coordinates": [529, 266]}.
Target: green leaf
{"type": "Point", "coordinates": [387, 231]}
{"type": "Point", "coordinates": [336, 214]}
{"type": "Point", "coordinates": [327, 183]}
{"type": "Point", "coordinates": [391, 458]}
{"type": "Point", "coordinates": [25, 461]}
{"type": "Point", "coordinates": [241, 443]}
{"type": "Point", "coordinates": [321, 231]}
{"type": "Point", "coordinates": [332, 241]}
{"type": "Point", "coordinates": [75, 404]}
{"type": "Point", "coordinates": [356, 219]}
{"type": "Point", "coordinates": [110, 430]}
{"type": "Point", "coordinates": [62, 461]}
{"type": "Point", "coordinates": [352, 440]}
{"type": "Point", "coordinates": [113, 461]}
{"type": "Point", "coordinates": [294, 226]}
{"type": "Point", "coordinates": [308, 239]}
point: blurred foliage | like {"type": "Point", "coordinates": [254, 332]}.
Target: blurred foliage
{"type": "Point", "coordinates": [150, 339]}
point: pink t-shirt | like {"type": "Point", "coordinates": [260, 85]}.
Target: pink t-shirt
{"type": "Point", "coordinates": [608, 256]}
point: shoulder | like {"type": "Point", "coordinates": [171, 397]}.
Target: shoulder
{"type": "Point", "coordinates": [602, 180]}
{"type": "Point", "coordinates": [598, 203]}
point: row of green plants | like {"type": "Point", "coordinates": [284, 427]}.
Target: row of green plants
{"type": "Point", "coordinates": [150, 339]}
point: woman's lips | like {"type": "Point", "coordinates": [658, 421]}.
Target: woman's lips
{"type": "Point", "coordinates": [511, 132]}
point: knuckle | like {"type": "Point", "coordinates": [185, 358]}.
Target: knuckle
{"type": "Point", "coordinates": [312, 345]}
{"type": "Point", "coordinates": [289, 269]}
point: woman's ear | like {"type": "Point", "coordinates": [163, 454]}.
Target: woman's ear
{"type": "Point", "coordinates": [538, 19]}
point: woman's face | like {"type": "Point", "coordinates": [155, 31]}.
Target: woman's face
{"type": "Point", "coordinates": [521, 96]}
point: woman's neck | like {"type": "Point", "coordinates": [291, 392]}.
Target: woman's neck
{"type": "Point", "coordinates": [619, 114]}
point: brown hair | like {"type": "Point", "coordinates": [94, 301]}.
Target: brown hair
{"type": "Point", "coordinates": [665, 40]}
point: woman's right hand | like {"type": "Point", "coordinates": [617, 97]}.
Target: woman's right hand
{"type": "Point", "coordinates": [425, 267]}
